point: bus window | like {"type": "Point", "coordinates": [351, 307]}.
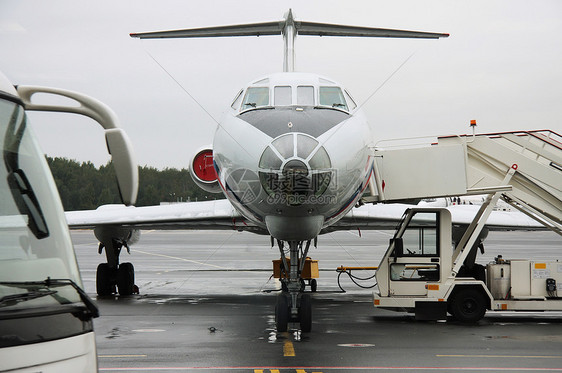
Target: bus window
{"type": "Point", "coordinates": [283, 96]}
{"type": "Point", "coordinates": [305, 95]}
{"type": "Point", "coordinates": [332, 97]}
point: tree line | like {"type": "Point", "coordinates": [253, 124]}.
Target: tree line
{"type": "Point", "coordinates": [82, 186]}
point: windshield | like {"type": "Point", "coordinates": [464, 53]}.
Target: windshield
{"type": "Point", "coordinates": [34, 239]}
{"type": "Point", "coordinates": [332, 97]}
{"type": "Point", "coordinates": [256, 97]}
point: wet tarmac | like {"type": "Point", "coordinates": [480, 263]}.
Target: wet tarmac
{"type": "Point", "coordinates": [206, 304]}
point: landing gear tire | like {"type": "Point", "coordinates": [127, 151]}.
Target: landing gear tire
{"type": "Point", "coordinates": [468, 306]}
{"type": "Point", "coordinates": [104, 280]}
{"type": "Point", "coordinates": [303, 285]}
{"type": "Point", "coordinates": [126, 279]}
{"type": "Point", "coordinates": [282, 313]}
{"type": "Point", "coordinates": [305, 313]}
{"type": "Point", "coordinates": [313, 285]}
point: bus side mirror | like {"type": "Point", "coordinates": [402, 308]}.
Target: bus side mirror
{"type": "Point", "coordinates": [124, 163]}
{"type": "Point", "coordinates": [118, 143]}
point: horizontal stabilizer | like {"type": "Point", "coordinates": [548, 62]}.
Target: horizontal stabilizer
{"type": "Point", "coordinates": [289, 28]}
{"type": "Point", "coordinates": [325, 29]}
{"type": "Point", "coordinates": [254, 29]}
{"type": "Point", "coordinates": [279, 27]}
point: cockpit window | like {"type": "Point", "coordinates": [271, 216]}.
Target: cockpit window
{"type": "Point", "coordinates": [305, 95]}
{"type": "Point", "coordinates": [237, 100]}
{"type": "Point", "coordinates": [349, 99]}
{"type": "Point", "coordinates": [282, 96]}
{"type": "Point", "coordinates": [256, 97]}
{"type": "Point", "coordinates": [332, 97]}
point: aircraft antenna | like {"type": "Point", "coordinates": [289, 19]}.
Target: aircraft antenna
{"type": "Point", "coordinates": [193, 98]}
{"type": "Point", "coordinates": [182, 87]}
{"type": "Point", "coordinates": [386, 80]}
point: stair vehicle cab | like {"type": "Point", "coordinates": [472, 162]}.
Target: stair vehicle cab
{"type": "Point", "coordinates": [425, 272]}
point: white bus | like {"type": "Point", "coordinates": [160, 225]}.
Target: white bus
{"type": "Point", "coordinates": [46, 319]}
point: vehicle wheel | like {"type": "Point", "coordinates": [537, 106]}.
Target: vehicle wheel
{"type": "Point", "coordinates": [305, 313]}
{"type": "Point", "coordinates": [104, 283]}
{"type": "Point", "coordinates": [126, 278]}
{"type": "Point", "coordinates": [313, 285]}
{"type": "Point", "coordinates": [282, 313]}
{"type": "Point", "coordinates": [468, 305]}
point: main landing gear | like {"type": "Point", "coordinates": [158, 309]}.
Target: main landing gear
{"type": "Point", "coordinates": [292, 304]}
{"type": "Point", "coordinates": [112, 277]}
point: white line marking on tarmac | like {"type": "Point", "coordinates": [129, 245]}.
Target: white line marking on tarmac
{"type": "Point", "coordinates": [177, 258]}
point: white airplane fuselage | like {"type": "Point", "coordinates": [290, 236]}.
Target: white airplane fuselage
{"type": "Point", "coordinates": [292, 155]}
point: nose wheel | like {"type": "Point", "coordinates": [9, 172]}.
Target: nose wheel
{"type": "Point", "coordinates": [283, 314]}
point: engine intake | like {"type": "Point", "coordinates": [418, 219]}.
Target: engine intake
{"type": "Point", "coordinates": [203, 171]}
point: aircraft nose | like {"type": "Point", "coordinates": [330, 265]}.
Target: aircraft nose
{"type": "Point", "coordinates": [294, 168]}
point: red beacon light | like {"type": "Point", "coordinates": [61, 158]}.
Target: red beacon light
{"type": "Point", "coordinates": [473, 126]}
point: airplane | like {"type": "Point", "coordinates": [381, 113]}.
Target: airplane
{"type": "Point", "coordinates": [292, 158]}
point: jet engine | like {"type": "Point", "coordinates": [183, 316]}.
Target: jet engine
{"type": "Point", "coordinates": [202, 171]}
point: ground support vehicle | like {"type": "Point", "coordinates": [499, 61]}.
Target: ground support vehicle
{"type": "Point", "coordinates": [430, 266]}
{"type": "Point", "coordinates": [422, 272]}
{"type": "Point", "coordinates": [308, 270]}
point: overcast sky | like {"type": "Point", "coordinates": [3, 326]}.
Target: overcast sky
{"type": "Point", "coordinates": [502, 65]}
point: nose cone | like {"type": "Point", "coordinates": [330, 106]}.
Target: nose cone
{"type": "Point", "coordinates": [294, 169]}
{"type": "Point", "coordinates": [299, 228]}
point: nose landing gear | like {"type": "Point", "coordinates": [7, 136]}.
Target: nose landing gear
{"type": "Point", "coordinates": [293, 305]}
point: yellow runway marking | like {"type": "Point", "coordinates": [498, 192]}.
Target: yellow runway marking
{"type": "Point", "coordinates": [288, 349]}
{"type": "Point", "coordinates": [507, 356]}
{"type": "Point", "coordinates": [182, 259]}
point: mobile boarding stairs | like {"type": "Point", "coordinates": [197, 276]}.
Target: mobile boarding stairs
{"type": "Point", "coordinates": [524, 168]}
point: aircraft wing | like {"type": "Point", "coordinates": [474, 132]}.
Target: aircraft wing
{"type": "Point", "coordinates": [216, 214]}
{"type": "Point", "coordinates": [386, 216]}
{"type": "Point", "coordinates": [219, 215]}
